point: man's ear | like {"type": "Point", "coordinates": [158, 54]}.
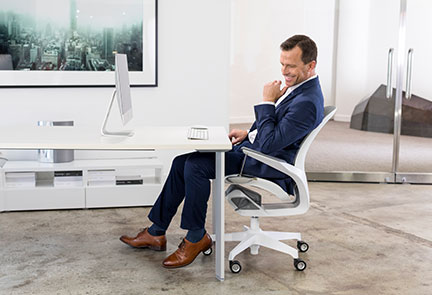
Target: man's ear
{"type": "Point", "coordinates": [312, 65]}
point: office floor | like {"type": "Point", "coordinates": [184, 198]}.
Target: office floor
{"type": "Point", "coordinates": [364, 239]}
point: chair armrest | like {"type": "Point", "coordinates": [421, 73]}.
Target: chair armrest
{"type": "Point", "coordinates": [275, 163]}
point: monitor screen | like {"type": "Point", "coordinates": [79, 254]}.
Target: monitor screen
{"type": "Point", "coordinates": [123, 88]}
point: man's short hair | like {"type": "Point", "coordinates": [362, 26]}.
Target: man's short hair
{"type": "Point", "coordinates": [306, 44]}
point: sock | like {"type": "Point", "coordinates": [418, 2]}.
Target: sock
{"type": "Point", "coordinates": [195, 236]}
{"type": "Point", "coordinates": [156, 230]}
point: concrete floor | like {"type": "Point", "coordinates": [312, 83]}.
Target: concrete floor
{"type": "Point", "coordinates": [364, 239]}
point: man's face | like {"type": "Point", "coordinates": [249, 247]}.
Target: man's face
{"type": "Point", "coordinates": [293, 69]}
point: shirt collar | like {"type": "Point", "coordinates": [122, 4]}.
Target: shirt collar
{"type": "Point", "coordinates": [292, 88]}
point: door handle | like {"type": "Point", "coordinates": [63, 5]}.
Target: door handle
{"type": "Point", "coordinates": [408, 93]}
{"type": "Point", "coordinates": [389, 91]}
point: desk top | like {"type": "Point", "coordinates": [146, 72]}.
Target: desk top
{"type": "Point", "coordinates": [80, 138]}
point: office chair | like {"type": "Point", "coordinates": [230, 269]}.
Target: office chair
{"type": "Point", "coordinates": [6, 62]}
{"type": "Point", "coordinates": [247, 202]}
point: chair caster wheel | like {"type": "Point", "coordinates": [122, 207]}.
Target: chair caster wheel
{"type": "Point", "coordinates": [208, 252]}
{"type": "Point", "coordinates": [300, 265]}
{"type": "Point", "coordinates": [235, 266]}
{"type": "Point", "coordinates": [302, 246]}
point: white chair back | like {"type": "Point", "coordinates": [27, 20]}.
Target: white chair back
{"type": "Point", "coordinates": [299, 161]}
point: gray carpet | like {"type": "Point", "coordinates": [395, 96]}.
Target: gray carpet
{"type": "Point", "coordinates": [339, 148]}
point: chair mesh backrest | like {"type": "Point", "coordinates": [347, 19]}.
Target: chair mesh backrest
{"type": "Point", "coordinates": [299, 162]}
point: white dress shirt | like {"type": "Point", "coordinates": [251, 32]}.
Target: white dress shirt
{"type": "Point", "coordinates": [252, 135]}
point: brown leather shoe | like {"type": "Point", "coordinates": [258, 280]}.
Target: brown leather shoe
{"type": "Point", "coordinates": [187, 252]}
{"type": "Point", "coordinates": [146, 240]}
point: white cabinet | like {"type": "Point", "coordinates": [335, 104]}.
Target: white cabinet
{"type": "Point", "coordinates": [29, 185]}
{"type": "Point", "coordinates": [43, 198]}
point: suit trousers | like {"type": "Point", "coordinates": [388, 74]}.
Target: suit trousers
{"type": "Point", "coordinates": [189, 180]}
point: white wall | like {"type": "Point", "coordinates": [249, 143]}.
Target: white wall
{"type": "Point", "coordinates": [258, 28]}
{"type": "Point", "coordinates": [193, 79]}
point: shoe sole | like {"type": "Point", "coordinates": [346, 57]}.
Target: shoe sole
{"type": "Point", "coordinates": [145, 247]}
{"type": "Point", "coordinates": [183, 265]}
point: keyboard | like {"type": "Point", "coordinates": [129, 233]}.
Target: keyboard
{"type": "Point", "coordinates": [197, 133]}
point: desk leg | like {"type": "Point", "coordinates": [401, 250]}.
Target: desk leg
{"type": "Point", "coordinates": [219, 215]}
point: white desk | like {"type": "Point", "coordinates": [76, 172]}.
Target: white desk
{"type": "Point", "coordinates": [149, 138]}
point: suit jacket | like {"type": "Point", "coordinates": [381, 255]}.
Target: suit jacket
{"type": "Point", "coordinates": [281, 130]}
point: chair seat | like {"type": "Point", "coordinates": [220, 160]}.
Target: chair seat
{"type": "Point", "coordinates": [247, 202]}
{"type": "Point", "coordinates": [243, 198]}
{"type": "Point", "coordinates": [261, 183]}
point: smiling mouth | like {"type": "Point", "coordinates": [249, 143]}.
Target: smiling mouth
{"type": "Point", "coordinates": [289, 79]}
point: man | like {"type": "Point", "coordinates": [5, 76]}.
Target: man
{"type": "Point", "coordinates": [283, 119]}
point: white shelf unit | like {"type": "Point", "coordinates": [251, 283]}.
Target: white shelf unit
{"type": "Point", "coordinates": [46, 192]}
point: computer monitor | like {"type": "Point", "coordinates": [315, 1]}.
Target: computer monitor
{"type": "Point", "coordinates": [123, 88]}
{"type": "Point", "coordinates": [123, 94]}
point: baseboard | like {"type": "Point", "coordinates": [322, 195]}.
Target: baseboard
{"type": "Point", "coordinates": [342, 118]}
{"type": "Point", "coordinates": [242, 120]}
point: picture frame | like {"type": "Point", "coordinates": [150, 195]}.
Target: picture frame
{"type": "Point", "coordinates": [50, 53]}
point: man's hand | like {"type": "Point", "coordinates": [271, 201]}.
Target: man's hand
{"type": "Point", "coordinates": [272, 91]}
{"type": "Point", "coordinates": [237, 135]}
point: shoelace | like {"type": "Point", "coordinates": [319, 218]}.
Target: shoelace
{"type": "Point", "coordinates": [182, 244]}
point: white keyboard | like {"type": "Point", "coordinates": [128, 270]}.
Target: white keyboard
{"type": "Point", "coordinates": [197, 133]}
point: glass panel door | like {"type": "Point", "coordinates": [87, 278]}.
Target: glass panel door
{"type": "Point", "coordinates": [362, 149]}
{"type": "Point", "coordinates": [415, 159]}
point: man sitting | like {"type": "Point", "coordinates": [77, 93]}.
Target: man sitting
{"type": "Point", "coordinates": [283, 119]}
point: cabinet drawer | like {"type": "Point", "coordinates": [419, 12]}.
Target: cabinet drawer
{"type": "Point", "coordinates": [43, 198]}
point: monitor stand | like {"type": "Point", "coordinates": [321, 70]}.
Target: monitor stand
{"type": "Point", "coordinates": [104, 131]}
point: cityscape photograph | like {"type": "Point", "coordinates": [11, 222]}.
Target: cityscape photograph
{"type": "Point", "coordinates": [71, 35]}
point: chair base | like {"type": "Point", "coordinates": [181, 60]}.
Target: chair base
{"type": "Point", "coordinates": [254, 237]}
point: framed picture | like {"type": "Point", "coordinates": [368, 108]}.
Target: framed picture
{"type": "Point", "coordinates": [72, 43]}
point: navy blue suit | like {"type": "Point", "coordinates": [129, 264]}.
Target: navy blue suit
{"type": "Point", "coordinates": [282, 129]}
{"type": "Point", "coordinates": [280, 133]}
